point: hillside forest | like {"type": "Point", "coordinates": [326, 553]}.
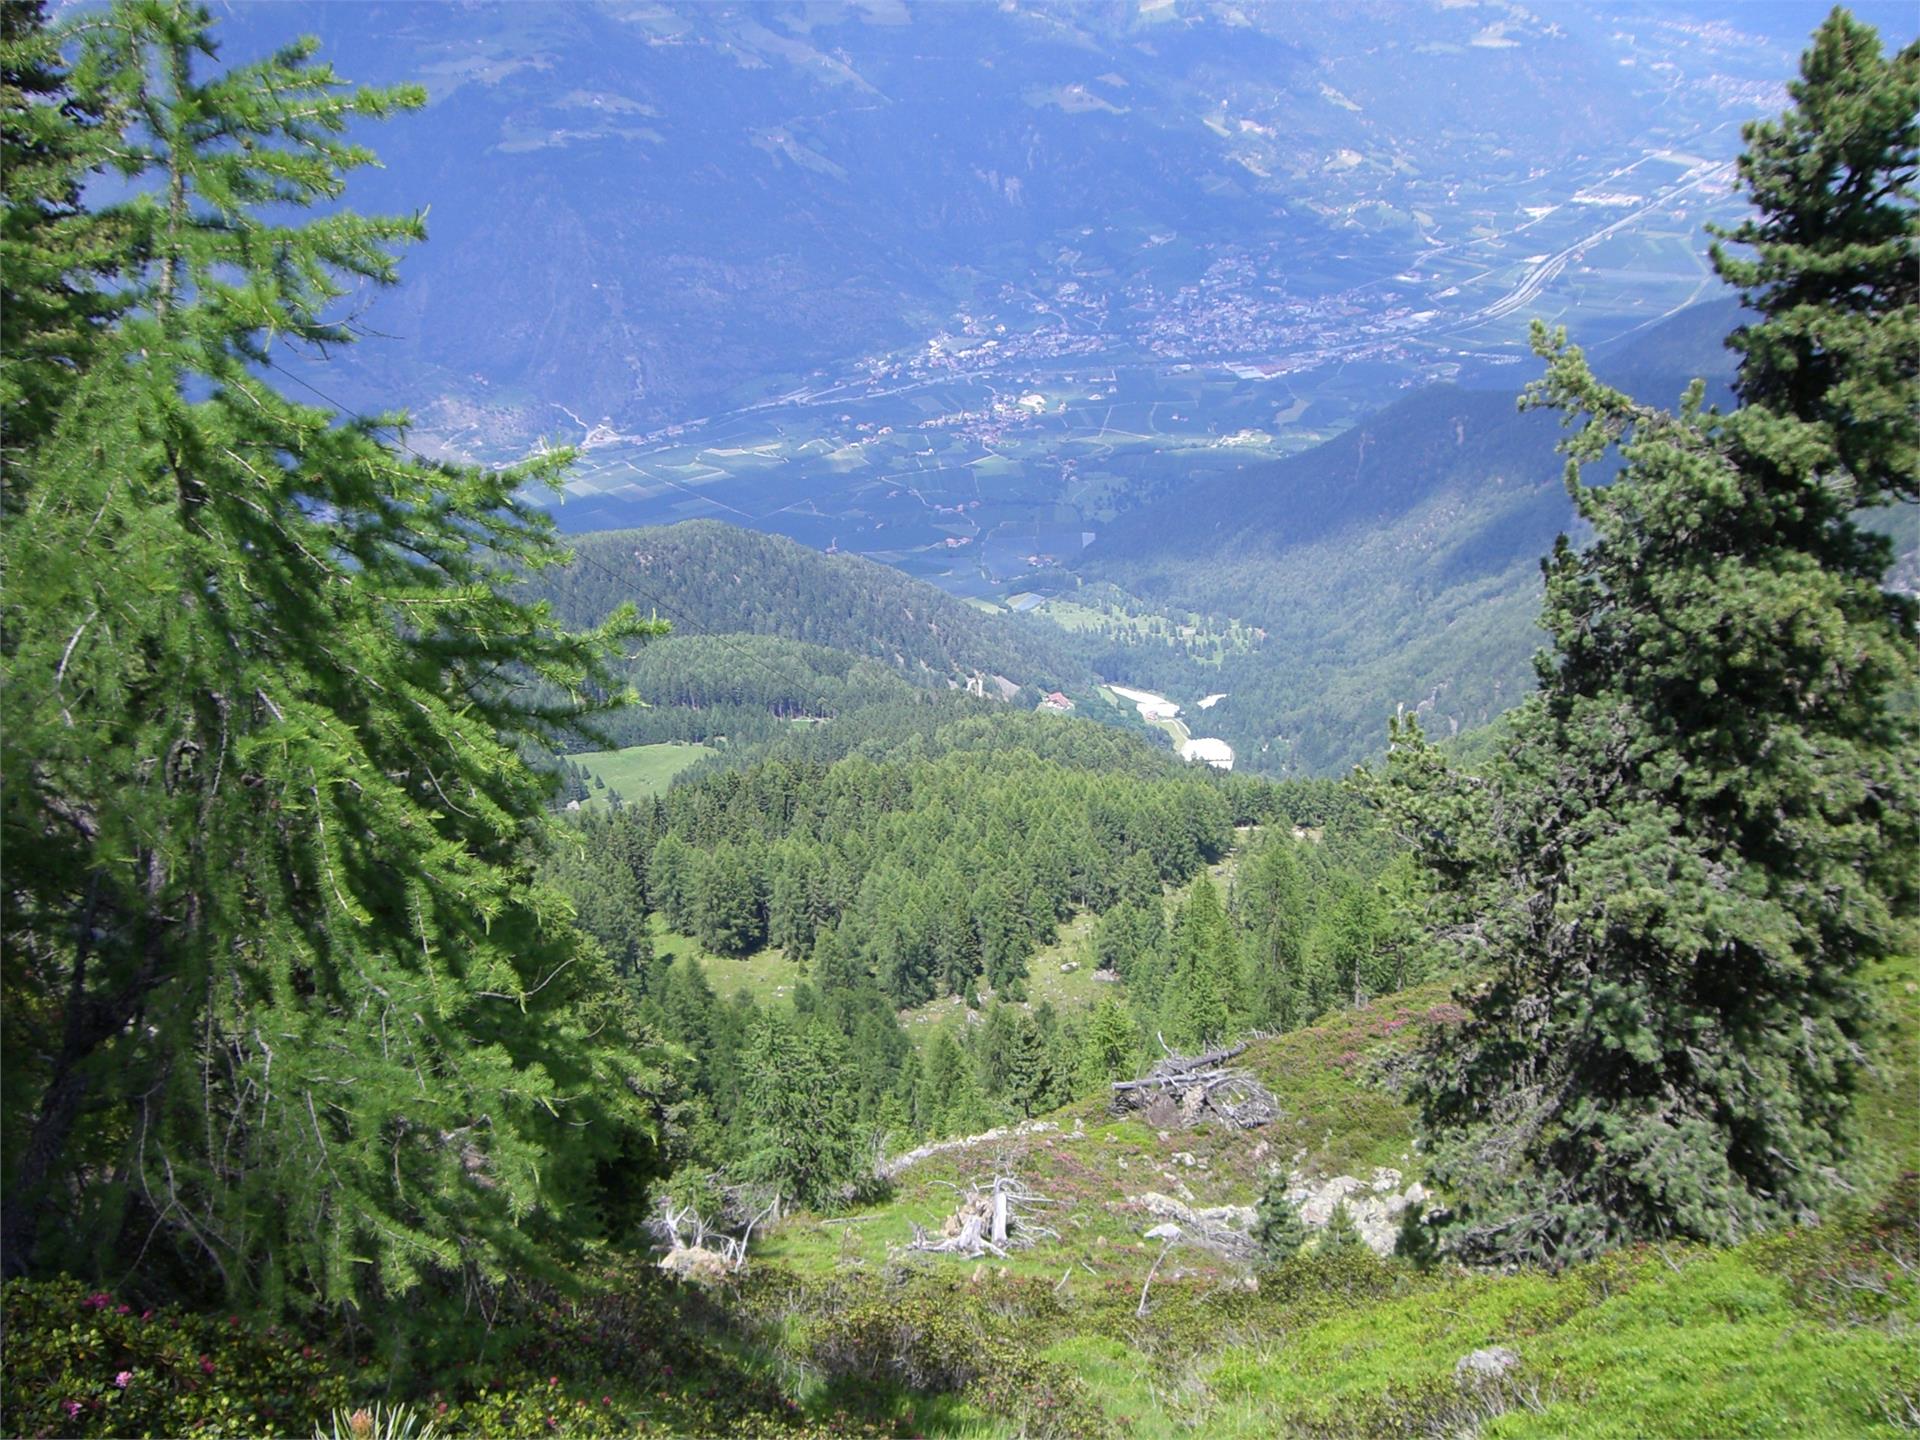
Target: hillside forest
{"type": "Point", "coordinates": [905, 1041]}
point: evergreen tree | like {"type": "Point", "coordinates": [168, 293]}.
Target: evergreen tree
{"type": "Point", "coordinates": [954, 1102]}
{"type": "Point", "coordinates": [798, 1127]}
{"type": "Point", "coordinates": [1207, 994]}
{"type": "Point", "coordinates": [1415, 1242]}
{"type": "Point", "coordinates": [1275, 910]}
{"type": "Point", "coordinates": [1342, 1236]}
{"type": "Point", "coordinates": [285, 999]}
{"type": "Point", "coordinates": [55, 254]}
{"type": "Point", "coordinates": [1109, 1046]}
{"type": "Point", "coordinates": [1829, 365]}
{"type": "Point", "coordinates": [670, 882]}
{"type": "Point", "coordinates": [1030, 1075]}
{"type": "Point", "coordinates": [727, 916]}
{"type": "Point", "coordinates": [1278, 1231]}
{"type": "Point", "coordinates": [1704, 825]}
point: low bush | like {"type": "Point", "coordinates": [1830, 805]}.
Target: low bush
{"type": "Point", "coordinates": [79, 1362]}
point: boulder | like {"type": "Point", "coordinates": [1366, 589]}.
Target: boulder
{"type": "Point", "coordinates": [1481, 1365]}
{"type": "Point", "coordinates": [1375, 1206]}
{"type": "Point", "coordinates": [692, 1262]}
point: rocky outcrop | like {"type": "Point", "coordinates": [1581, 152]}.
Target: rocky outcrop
{"type": "Point", "coordinates": [1492, 1363]}
{"type": "Point", "coordinates": [1376, 1206]}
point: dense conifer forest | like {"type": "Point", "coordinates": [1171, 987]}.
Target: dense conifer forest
{"type": "Point", "coordinates": [916, 1062]}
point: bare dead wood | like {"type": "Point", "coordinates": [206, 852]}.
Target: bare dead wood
{"type": "Point", "coordinates": [991, 1220]}
{"type": "Point", "coordinates": [1140, 1310]}
{"type": "Point", "coordinates": [1202, 1088]}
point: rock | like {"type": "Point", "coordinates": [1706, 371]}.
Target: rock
{"type": "Point", "coordinates": [1067, 967]}
{"type": "Point", "coordinates": [1165, 1231]}
{"type": "Point", "coordinates": [701, 1266]}
{"type": "Point", "coordinates": [1260, 1152]}
{"type": "Point", "coordinates": [1183, 1157]}
{"type": "Point", "coordinates": [1489, 1364]}
{"type": "Point", "coordinates": [1375, 1206]}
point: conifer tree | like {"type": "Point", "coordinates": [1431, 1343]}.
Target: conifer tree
{"type": "Point", "coordinates": [55, 255]}
{"type": "Point", "coordinates": [1704, 824]}
{"type": "Point", "coordinates": [1109, 1044]}
{"type": "Point", "coordinates": [1341, 1236]}
{"type": "Point", "coordinates": [299, 1011]}
{"type": "Point", "coordinates": [1278, 1230]}
{"type": "Point", "coordinates": [798, 1128]}
{"type": "Point", "coordinates": [1206, 995]}
{"type": "Point", "coordinates": [1030, 1074]}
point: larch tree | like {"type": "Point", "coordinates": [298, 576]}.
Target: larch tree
{"type": "Point", "coordinates": [285, 1000]}
{"type": "Point", "coordinates": [1704, 823]}
{"type": "Point", "coordinates": [54, 252]}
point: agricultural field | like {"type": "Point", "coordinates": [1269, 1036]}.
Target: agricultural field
{"type": "Point", "coordinates": [639, 771]}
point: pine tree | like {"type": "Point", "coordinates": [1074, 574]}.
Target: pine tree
{"type": "Point", "coordinates": [727, 916]}
{"type": "Point", "coordinates": [1109, 1045]}
{"type": "Point", "coordinates": [798, 1127]}
{"type": "Point", "coordinates": [1829, 366]}
{"type": "Point", "coordinates": [1704, 824]}
{"type": "Point", "coordinates": [1342, 1236]}
{"type": "Point", "coordinates": [296, 1009]}
{"type": "Point", "coordinates": [1414, 1241]}
{"type": "Point", "coordinates": [1030, 1075]}
{"type": "Point", "coordinates": [55, 255]}
{"type": "Point", "coordinates": [1278, 1231]}
{"type": "Point", "coordinates": [1207, 994]}
{"type": "Point", "coordinates": [1274, 907]}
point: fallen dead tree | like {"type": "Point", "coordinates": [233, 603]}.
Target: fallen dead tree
{"type": "Point", "coordinates": [705, 1247]}
{"type": "Point", "coordinates": [990, 1220]}
{"type": "Point", "coordinates": [1224, 1230]}
{"type": "Point", "coordinates": [1202, 1087]}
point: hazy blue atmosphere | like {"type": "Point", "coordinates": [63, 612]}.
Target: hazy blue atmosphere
{"type": "Point", "coordinates": [989, 719]}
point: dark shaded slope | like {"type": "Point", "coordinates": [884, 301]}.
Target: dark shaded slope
{"type": "Point", "coordinates": [711, 578]}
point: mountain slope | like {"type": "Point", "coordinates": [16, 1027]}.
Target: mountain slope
{"type": "Point", "coordinates": [647, 214]}
{"type": "Point", "coordinates": [1794, 1334]}
{"type": "Point", "coordinates": [1396, 565]}
{"type": "Point", "coordinates": [711, 578]}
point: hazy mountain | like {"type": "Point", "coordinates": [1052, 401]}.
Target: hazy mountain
{"type": "Point", "coordinates": [644, 214]}
{"type": "Point", "coordinates": [1395, 565]}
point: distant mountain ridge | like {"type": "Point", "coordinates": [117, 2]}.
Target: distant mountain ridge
{"type": "Point", "coordinates": [644, 214]}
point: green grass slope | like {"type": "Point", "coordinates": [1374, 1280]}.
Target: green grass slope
{"type": "Point", "coordinates": [639, 772]}
{"type": "Point", "coordinates": [1807, 1332]}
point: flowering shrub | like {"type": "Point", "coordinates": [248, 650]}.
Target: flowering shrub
{"type": "Point", "coordinates": [83, 1363]}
